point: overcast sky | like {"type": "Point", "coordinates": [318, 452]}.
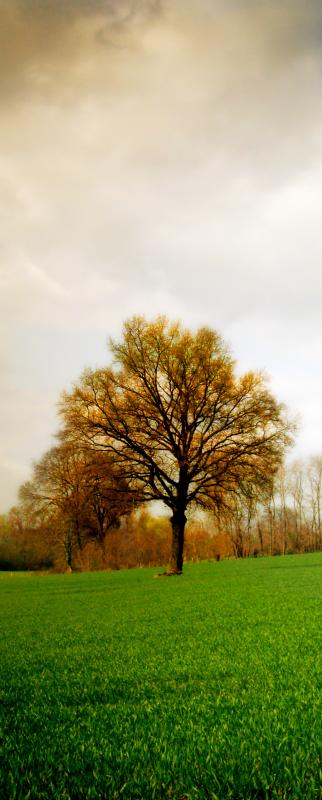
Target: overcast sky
{"type": "Point", "coordinates": [157, 157]}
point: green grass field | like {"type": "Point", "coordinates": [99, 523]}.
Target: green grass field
{"type": "Point", "coordinates": [116, 685]}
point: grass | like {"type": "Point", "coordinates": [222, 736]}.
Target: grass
{"type": "Point", "coordinates": [115, 685]}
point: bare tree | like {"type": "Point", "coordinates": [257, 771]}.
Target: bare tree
{"type": "Point", "coordinates": [315, 499]}
{"type": "Point", "coordinates": [239, 519]}
{"type": "Point", "coordinates": [282, 511]}
{"type": "Point", "coordinates": [297, 491]}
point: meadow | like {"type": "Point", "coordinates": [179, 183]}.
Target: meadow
{"type": "Point", "coordinates": [117, 685]}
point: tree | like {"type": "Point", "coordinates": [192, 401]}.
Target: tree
{"type": "Point", "coordinates": [183, 428]}
{"type": "Point", "coordinates": [79, 491]}
{"type": "Point", "coordinates": [23, 545]}
{"type": "Point", "coordinates": [315, 492]}
{"type": "Point", "coordinates": [297, 492]}
{"type": "Point", "coordinates": [239, 518]}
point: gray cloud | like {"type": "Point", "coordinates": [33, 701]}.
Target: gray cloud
{"type": "Point", "coordinates": [61, 47]}
{"type": "Point", "coordinates": [43, 46]}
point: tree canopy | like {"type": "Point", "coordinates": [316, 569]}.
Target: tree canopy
{"type": "Point", "coordinates": [181, 426]}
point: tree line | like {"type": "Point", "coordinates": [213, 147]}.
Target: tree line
{"type": "Point", "coordinates": [287, 521]}
{"type": "Point", "coordinates": [169, 420]}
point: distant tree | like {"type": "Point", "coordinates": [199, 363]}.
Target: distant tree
{"type": "Point", "coordinates": [239, 518]}
{"type": "Point", "coordinates": [201, 539]}
{"type": "Point", "coordinates": [145, 540]}
{"type": "Point", "coordinates": [79, 492]}
{"type": "Point", "coordinates": [180, 424]}
{"type": "Point", "coordinates": [315, 500]}
{"type": "Point", "coordinates": [7, 554]}
{"type": "Point", "coordinates": [22, 542]}
{"type": "Point", "coordinates": [283, 512]}
{"type": "Point", "coordinates": [297, 493]}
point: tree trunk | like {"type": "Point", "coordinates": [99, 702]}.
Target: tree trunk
{"type": "Point", "coordinates": [68, 548]}
{"type": "Point", "coordinates": [260, 536]}
{"type": "Point", "coordinates": [102, 542]}
{"type": "Point", "coordinates": [178, 521]}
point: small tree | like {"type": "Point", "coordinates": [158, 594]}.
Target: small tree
{"type": "Point", "coordinates": [81, 494]}
{"type": "Point", "coordinates": [182, 427]}
{"type": "Point", "coordinates": [315, 499]}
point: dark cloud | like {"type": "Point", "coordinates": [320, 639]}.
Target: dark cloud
{"type": "Point", "coordinates": [43, 44]}
{"type": "Point", "coordinates": [57, 50]}
{"type": "Point", "coordinates": [117, 11]}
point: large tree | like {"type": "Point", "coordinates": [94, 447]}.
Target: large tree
{"type": "Point", "coordinates": [179, 422]}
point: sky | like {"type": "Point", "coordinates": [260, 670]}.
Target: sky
{"type": "Point", "coordinates": [157, 157]}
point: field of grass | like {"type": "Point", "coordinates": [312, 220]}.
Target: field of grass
{"type": "Point", "coordinates": [116, 685]}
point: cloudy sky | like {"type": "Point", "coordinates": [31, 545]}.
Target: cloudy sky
{"type": "Point", "coordinates": [157, 156]}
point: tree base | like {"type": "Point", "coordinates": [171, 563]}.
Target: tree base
{"type": "Point", "coordinates": [168, 574]}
